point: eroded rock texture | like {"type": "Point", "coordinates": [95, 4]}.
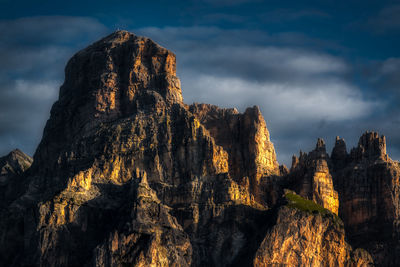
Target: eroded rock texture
{"type": "Point", "coordinates": [12, 185]}
{"type": "Point", "coordinates": [127, 174]}
{"type": "Point", "coordinates": [246, 139]}
{"type": "Point", "coordinates": [312, 179]}
{"type": "Point", "coordinates": [302, 239]}
{"type": "Point", "coordinates": [12, 168]}
{"type": "Point", "coordinates": [368, 184]}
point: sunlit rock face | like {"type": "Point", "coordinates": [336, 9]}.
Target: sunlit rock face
{"type": "Point", "coordinates": [246, 139]}
{"type": "Point", "coordinates": [362, 187]}
{"type": "Point", "coordinates": [307, 239]}
{"type": "Point", "coordinates": [128, 175]}
{"type": "Point", "coordinates": [312, 178]}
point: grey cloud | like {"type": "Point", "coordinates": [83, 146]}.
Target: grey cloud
{"type": "Point", "coordinates": [31, 44]}
{"type": "Point", "coordinates": [49, 30]}
{"type": "Point", "coordinates": [34, 52]}
{"type": "Point", "coordinates": [386, 20]}
{"type": "Point", "coordinates": [385, 75]}
{"type": "Point", "coordinates": [201, 36]}
{"type": "Point", "coordinates": [252, 55]}
{"type": "Point", "coordinates": [303, 92]}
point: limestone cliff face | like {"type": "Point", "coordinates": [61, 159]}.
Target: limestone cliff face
{"type": "Point", "coordinates": [128, 175]}
{"type": "Point", "coordinates": [300, 238]}
{"type": "Point", "coordinates": [246, 139]}
{"type": "Point", "coordinates": [312, 178]}
{"type": "Point", "coordinates": [114, 78]}
{"type": "Point", "coordinates": [244, 136]}
{"type": "Point", "coordinates": [15, 163]}
{"type": "Point", "coordinates": [368, 184]}
{"type": "Point", "coordinates": [13, 168]}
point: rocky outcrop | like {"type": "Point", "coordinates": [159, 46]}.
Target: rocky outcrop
{"type": "Point", "coordinates": [12, 185]}
{"type": "Point", "coordinates": [339, 154]}
{"type": "Point", "coordinates": [127, 174]}
{"type": "Point", "coordinates": [244, 136]}
{"type": "Point", "coordinates": [15, 163]}
{"type": "Point", "coordinates": [368, 184]}
{"type": "Point", "coordinates": [12, 168]}
{"type": "Point", "coordinates": [246, 139]}
{"type": "Point", "coordinates": [307, 235]}
{"type": "Point", "coordinates": [312, 179]}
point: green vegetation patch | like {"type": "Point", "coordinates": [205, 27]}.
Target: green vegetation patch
{"type": "Point", "coordinates": [297, 202]}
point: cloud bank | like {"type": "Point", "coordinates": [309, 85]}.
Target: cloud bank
{"type": "Point", "coordinates": [303, 92]}
{"type": "Point", "coordinates": [34, 52]}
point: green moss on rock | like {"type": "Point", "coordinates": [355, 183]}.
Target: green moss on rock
{"type": "Point", "coordinates": [297, 202]}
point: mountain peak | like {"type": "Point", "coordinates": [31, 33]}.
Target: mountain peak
{"type": "Point", "coordinates": [370, 146]}
{"type": "Point", "coordinates": [114, 78]}
{"type": "Point", "coordinates": [15, 162]}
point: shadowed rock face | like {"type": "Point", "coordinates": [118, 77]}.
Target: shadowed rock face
{"type": "Point", "coordinates": [12, 168]}
{"type": "Point", "coordinates": [15, 163]}
{"type": "Point", "coordinates": [128, 175]}
{"type": "Point", "coordinates": [367, 181]}
{"type": "Point", "coordinates": [366, 184]}
{"type": "Point", "coordinates": [12, 185]}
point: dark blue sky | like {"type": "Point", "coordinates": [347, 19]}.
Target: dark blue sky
{"type": "Point", "coordinates": [316, 68]}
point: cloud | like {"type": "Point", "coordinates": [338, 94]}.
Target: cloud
{"type": "Point", "coordinates": [386, 20]}
{"type": "Point", "coordinates": [385, 75]}
{"type": "Point", "coordinates": [303, 92]}
{"type": "Point", "coordinates": [223, 68]}
{"type": "Point", "coordinates": [34, 52]}
{"type": "Point", "coordinates": [282, 102]}
{"type": "Point", "coordinates": [263, 63]}
{"type": "Point", "coordinates": [29, 44]}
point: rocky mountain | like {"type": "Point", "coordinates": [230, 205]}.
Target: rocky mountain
{"type": "Point", "coordinates": [368, 183]}
{"type": "Point", "coordinates": [12, 167]}
{"type": "Point", "coordinates": [127, 174]}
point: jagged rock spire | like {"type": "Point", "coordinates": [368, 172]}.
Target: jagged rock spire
{"type": "Point", "coordinates": [320, 146]}
{"type": "Point", "coordinates": [370, 146]}
{"type": "Point", "coordinates": [339, 152]}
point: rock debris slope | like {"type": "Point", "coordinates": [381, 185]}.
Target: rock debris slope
{"type": "Point", "coordinates": [127, 174]}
